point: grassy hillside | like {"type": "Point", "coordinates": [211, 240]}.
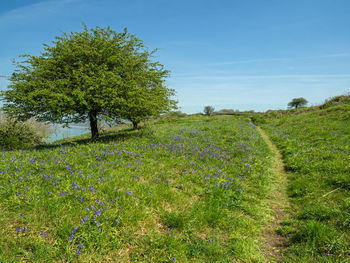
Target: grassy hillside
{"type": "Point", "coordinates": [184, 190]}
{"type": "Point", "coordinates": [315, 144]}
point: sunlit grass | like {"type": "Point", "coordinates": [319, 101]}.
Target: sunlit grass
{"type": "Point", "coordinates": [185, 190]}
{"type": "Point", "coordinates": [316, 147]}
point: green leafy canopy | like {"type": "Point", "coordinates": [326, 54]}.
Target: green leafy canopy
{"type": "Point", "coordinates": [208, 110]}
{"type": "Point", "coordinates": [297, 102]}
{"type": "Point", "coordinates": [89, 75]}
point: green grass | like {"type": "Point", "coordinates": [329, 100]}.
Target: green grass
{"type": "Point", "coordinates": [316, 150]}
{"type": "Point", "coordinates": [185, 189]}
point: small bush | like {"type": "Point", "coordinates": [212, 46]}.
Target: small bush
{"type": "Point", "coordinates": [171, 114]}
{"type": "Point", "coordinates": [226, 112]}
{"type": "Point", "coordinates": [16, 135]}
{"type": "Point", "coordinates": [208, 110]}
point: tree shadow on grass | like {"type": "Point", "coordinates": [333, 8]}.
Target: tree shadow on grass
{"type": "Point", "coordinates": [104, 138]}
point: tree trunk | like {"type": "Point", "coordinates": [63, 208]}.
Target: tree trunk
{"type": "Point", "coordinates": [93, 125]}
{"type": "Point", "coordinates": [134, 125]}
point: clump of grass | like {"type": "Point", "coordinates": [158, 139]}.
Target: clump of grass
{"type": "Point", "coordinates": [337, 100]}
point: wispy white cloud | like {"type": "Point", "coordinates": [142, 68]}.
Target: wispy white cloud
{"type": "Point", "coordinates": [329, 56]}
{"type": "Point", "coordinates": [259, 60]}
{"type": "Point", "coordinates": [247, 77]}
{"type": "Point", "coordinates": [184, 43]}
{"type": "Point", "coordinates": [28, 13]}
{"type": "Point", "coordinates": [244, 61]}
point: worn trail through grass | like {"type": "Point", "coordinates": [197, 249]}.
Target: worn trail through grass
{"type": "Point", "coordinates": [275, 241]}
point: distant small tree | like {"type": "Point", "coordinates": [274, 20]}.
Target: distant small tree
{"type": "Point", "coordinates": [208, 110]}
{"type": "Point", "coordinates": [297, 102]}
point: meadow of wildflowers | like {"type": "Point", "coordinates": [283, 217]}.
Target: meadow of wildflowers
{"type": "Point", "coordinates": [316, 150]}
{"type": "Point", "coordinates": [183, 191]}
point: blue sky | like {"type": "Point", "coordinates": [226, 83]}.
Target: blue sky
{"type": "Point", "coordinates": [251, 54]}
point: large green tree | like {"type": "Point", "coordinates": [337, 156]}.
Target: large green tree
{"type": "Point", "coordinates": [86, 76]}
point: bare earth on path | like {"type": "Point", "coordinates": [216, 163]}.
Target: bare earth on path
{"type": "Point", "coordinates": [278, 200]}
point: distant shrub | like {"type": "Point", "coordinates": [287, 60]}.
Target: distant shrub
{"type": "Point", "coordinates": [225, 112]}
{"type": "Point", "coordinates": [178, 114]}
{"type": "Point", "coordinates": [171, 117]}
{"type": "Point", "coordinates": [233, 112]}
{"type": "Point", "coordinates": [341, 99]}
{"type": "Point", "coordinates": [208, 110]}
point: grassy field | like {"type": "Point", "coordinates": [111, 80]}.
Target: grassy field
{"type": "Point", "coordinates": [316, 150]}
{"type": "Point", "coordinates": [184, 189]}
